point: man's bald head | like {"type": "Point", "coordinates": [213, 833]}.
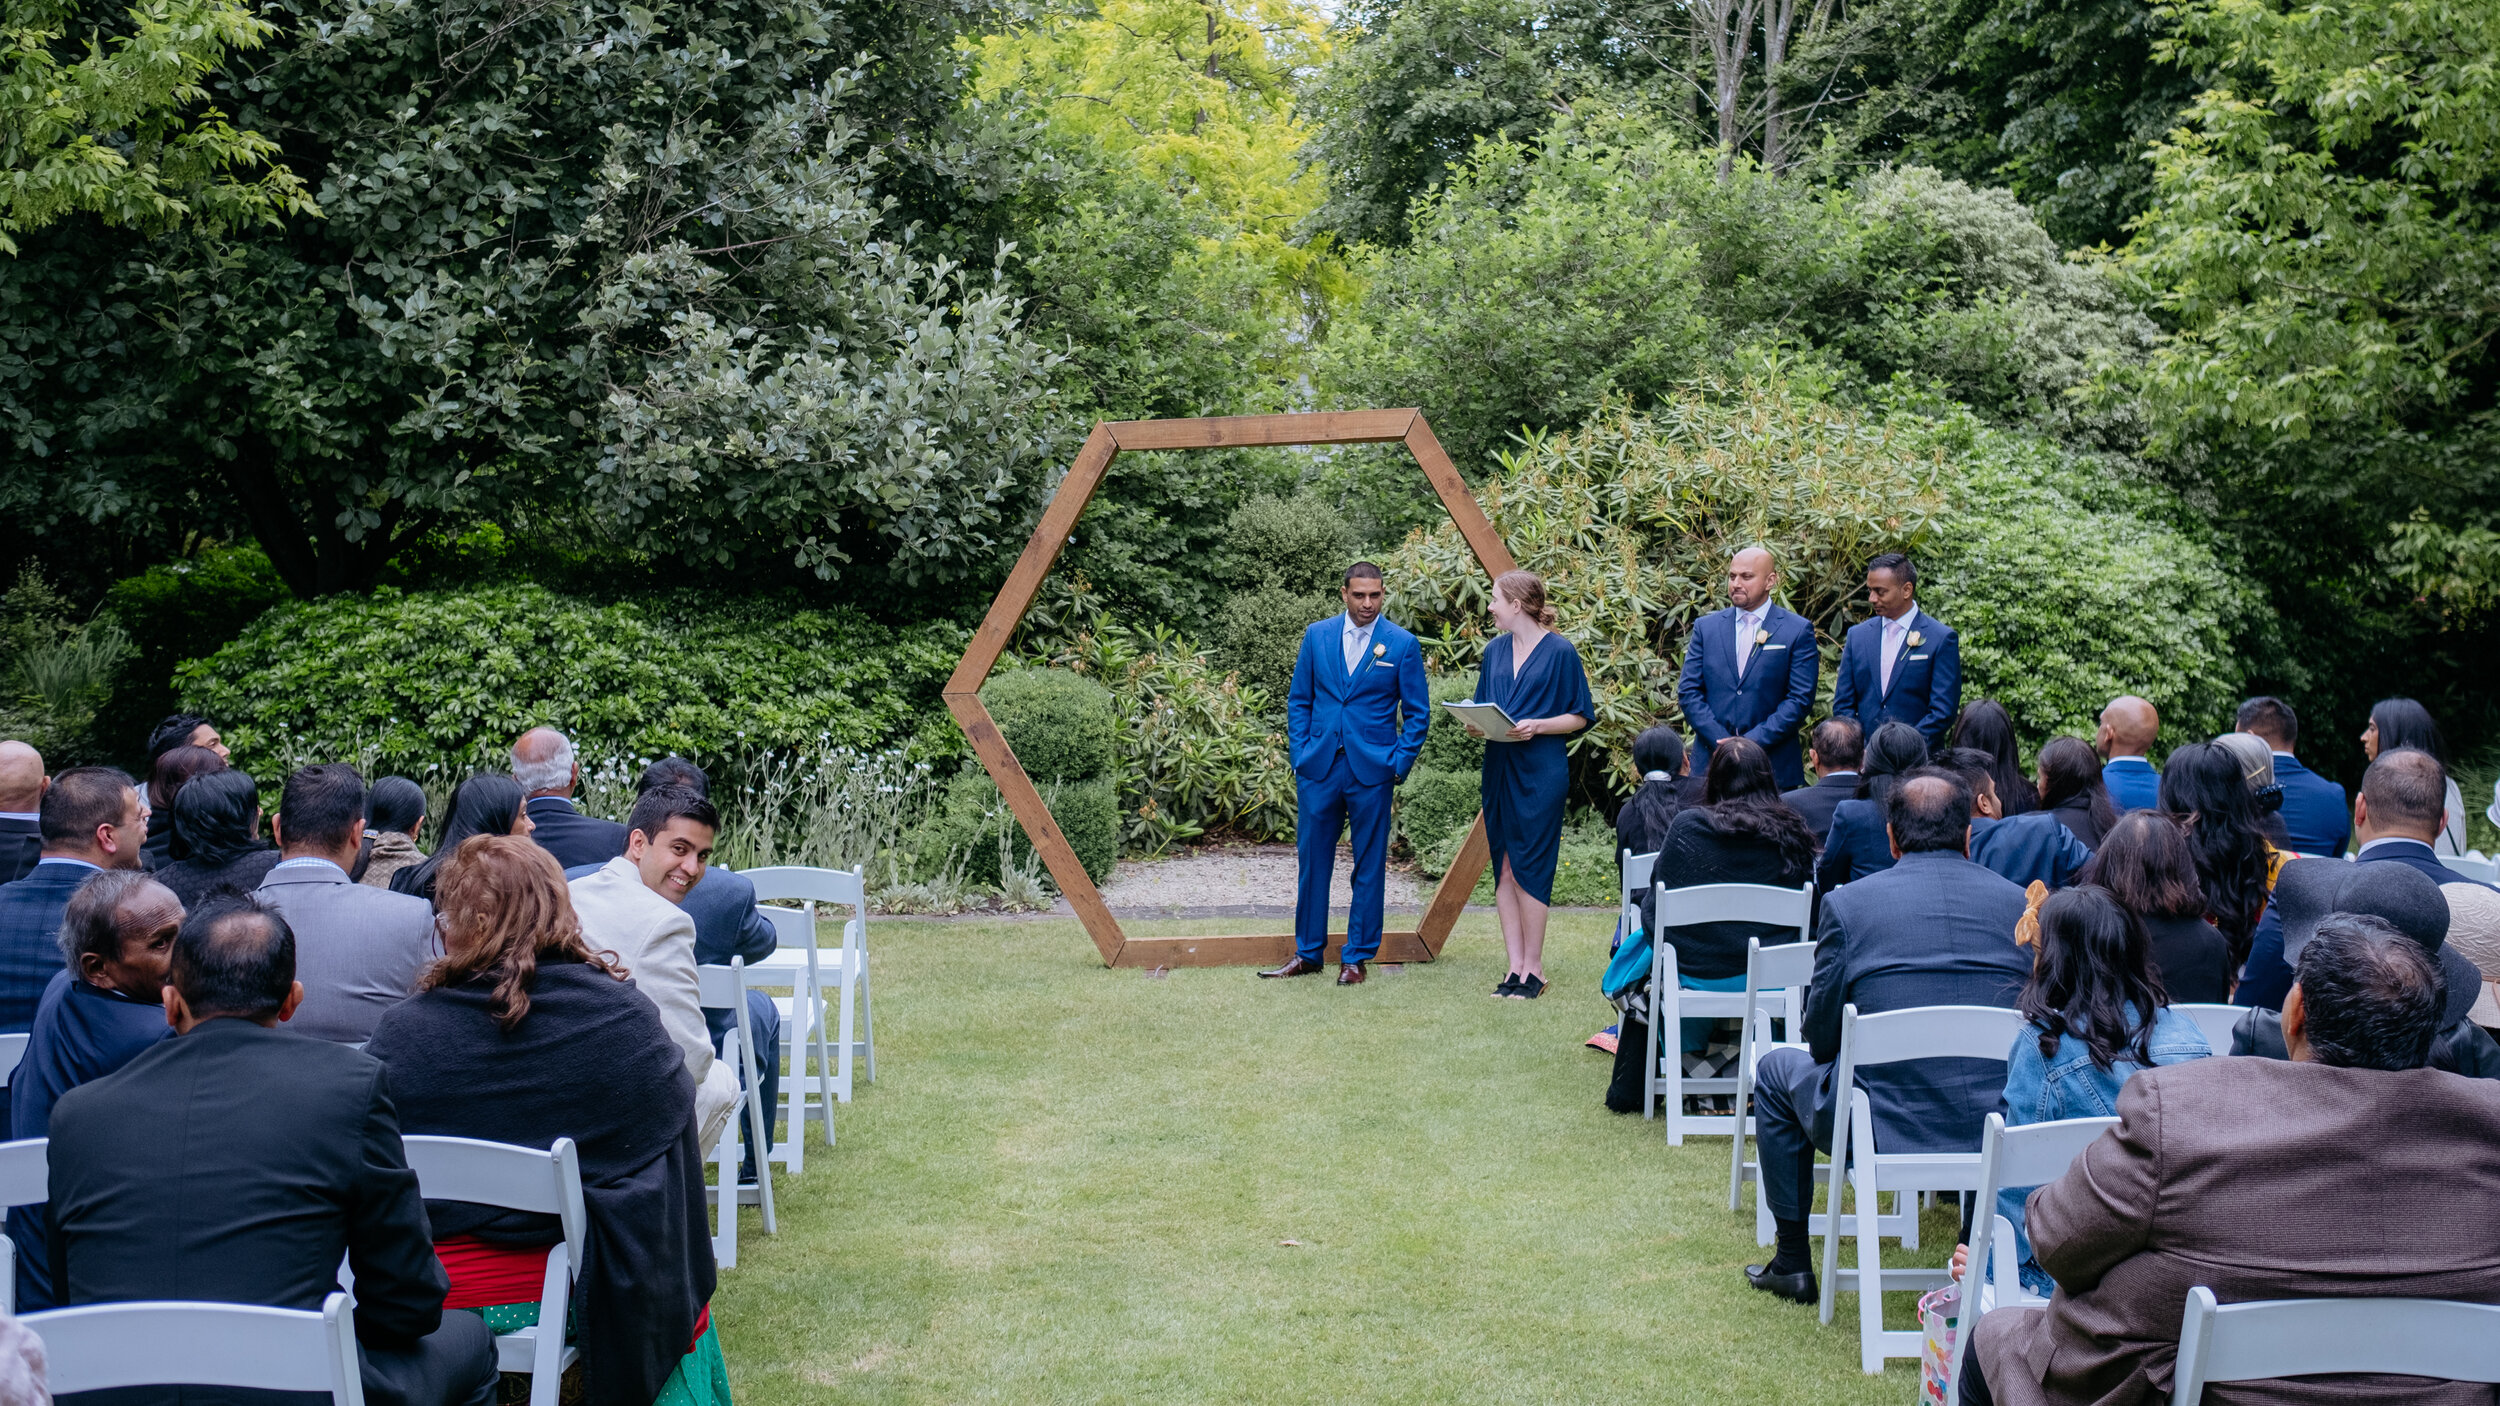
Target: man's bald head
{"type": "Point", "coordinates": [543, 762]}
{"type": "Point", "coordinates": [2404, 795]}
{"type": "Point", "coordinates": [21, 777]}
{"type": "Point", "coordinates": [1750, 576]}
{"type": "Point", "coordinates": [2128, 726]}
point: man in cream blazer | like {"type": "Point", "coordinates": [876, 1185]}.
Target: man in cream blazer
{"type": "Point", "coordinates": [629, 907]}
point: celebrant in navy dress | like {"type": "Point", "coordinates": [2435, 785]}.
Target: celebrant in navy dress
{"type": "Point", "coordinates": [1534, 675]}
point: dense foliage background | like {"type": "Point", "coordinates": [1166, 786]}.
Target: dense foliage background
{"type": "Point", "coordinates": [383, 378]}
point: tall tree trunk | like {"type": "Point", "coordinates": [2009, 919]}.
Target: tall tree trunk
{"type": "Point", "coordinates": [306, 547]}
{"type": "Point", "coordinates": [1726, 29]}
{"type": "Point", "coordinates": [1777, 18]}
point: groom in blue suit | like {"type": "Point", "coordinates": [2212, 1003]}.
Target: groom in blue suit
{"type": "Point", "coordinates": [1354, 719]}
{"type": "Point", "coordinates": [1903, 666]}
{"type": "Point", "coordinates": [1750, 670]}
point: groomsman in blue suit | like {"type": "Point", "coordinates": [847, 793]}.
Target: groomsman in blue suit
{"type": "Point", "coordinates": [2316, 816]}
{"type": "Point", "coordinates": [1904, 665]}
{"type": "Point", "coordinates": [1354, 720]}
{"type": "Point", "coordinates": [1750, 670]}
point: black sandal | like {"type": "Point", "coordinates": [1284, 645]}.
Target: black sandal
{"type": "Point", "coordinates": [1509, 986]}
{"type": "Point", "coordinates": [1531, 987]}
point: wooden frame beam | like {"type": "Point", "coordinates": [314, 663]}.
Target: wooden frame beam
{"type": "Point", "coordinates": [1108, 441]}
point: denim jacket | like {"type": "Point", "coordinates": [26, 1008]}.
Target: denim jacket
{"type": "Point", "coordinates": [2041, 1089]}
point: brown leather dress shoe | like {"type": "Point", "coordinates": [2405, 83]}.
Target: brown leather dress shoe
{"type": "Point", "coordinates": [1351, 974]}
{"type": "Point", "coordinates": [1296, 967]}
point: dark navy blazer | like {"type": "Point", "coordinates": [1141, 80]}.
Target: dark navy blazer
{"type": "Point", "coordinates": [572, 837]}
{"type": "Point", "coordinates": [1857, 845]}
{"type": "Point", "coordinates": [1926, 680]}
{"type": "Point", "coordinates": [2034, 845]}
{"type": "Point", "coordinates": [2316, 816]}
{"type": "Point", "coordinates": [1818, 801]}
{"type": "Point", "coordinates": [1377, 714]}
{"type": "Point", "coordinates": [2265, 979]}
{"type": "Point", "coordinates": [30, 937]}
{"type": "Point", "coordinates": [1768, 704]}
{"type": "Point", "coordinates": [1933, 930]}
{"type": "Point", "coordinates": [21, 844]}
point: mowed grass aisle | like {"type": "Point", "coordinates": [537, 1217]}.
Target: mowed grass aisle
{"type": "Point", "coordinates": [1071, 1184]}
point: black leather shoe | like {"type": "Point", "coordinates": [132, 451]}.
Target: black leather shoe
{"type": "Point", "coordinates": [1796, 1288]}
{"type": "Point", "coordinates": [1296, 967]}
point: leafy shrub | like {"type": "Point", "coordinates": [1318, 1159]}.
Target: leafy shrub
{"type": "Point", "coordinates": [1434, 809]}
{"type": "Point", "coordinates": [1059, 723]}
{"type": "Point", "coordinates": [1448, 746]}
{"type": "Point", "coordinates": [965, 836]}
{"type": "Point", "coordinates": [446, 680]}
{"type": "Point", "coordinates": [1258, 635]}
{"type": "Point", "coordinates": [56, 671]}
{"type": "Point", "coordinates": [1585, 873]}
{"type": "Point", "coordinates": [1296, 544]}
{"type": "Point", "coordinates": [177, 611]}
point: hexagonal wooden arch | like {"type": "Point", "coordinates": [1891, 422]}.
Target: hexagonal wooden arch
{"type": "Point", "coordinates": [963, 691]}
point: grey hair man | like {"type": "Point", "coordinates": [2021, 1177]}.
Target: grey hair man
{"type": "Point", "coordinates": [544, 762]}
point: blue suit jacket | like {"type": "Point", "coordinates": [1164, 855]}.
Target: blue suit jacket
{"type": "Point", "coordinates": [2316, 816]}
{"type": "Point", "coordinates": [726, 925]}
{"type": "Point", "coordinates": [1933, 930]}
{"type": "Point", "coordinates": [30, 938]}
{"type": "Point", "coordinates": [2132, 783]}
{"type": "Point", "coordinates": [572, 837]}
{"type": "Point", "coordinates": [1378, 714]}
{"type": "Point", "coordinates": [1926, 680]}
{"type": "Point", "coordinates": [2034, 845]}
{"type": "Point", "coordinates": [1858, 844]}
{"type": "Point", "coordinates": [1768, 704]}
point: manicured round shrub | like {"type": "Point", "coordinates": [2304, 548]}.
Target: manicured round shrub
{"type": "Point", "coordinates": [968, 828]}
{"type": "Point", "coordinates": [1060, 723]}
{"type": "Point", "coordinates": [1297, 544]}
{"type": "Point", "coordinates": [1258, 636]}
{"type": "Point", "coordinates": [1435, 807]}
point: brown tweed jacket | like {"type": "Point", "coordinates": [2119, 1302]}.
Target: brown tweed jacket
{"type": "Point", "coordinates": [2260, 1179]}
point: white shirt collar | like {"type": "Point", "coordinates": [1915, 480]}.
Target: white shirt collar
{"type": "Point", "coordinates": [2364, 851]}
{"type": "Point", "coordinates": [21, 815]}
{"type": "Point", "coordinates": [65, 859]}
{"type": "Point", "coordinates": [1353, 629]}
{"type": "Point", "coordinates": [303, 860]}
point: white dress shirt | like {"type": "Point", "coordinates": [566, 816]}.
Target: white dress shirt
{"type": "Point", "coordinates": [1896, 632]}
{"type": "Point", "coordinates": [1358, 641]}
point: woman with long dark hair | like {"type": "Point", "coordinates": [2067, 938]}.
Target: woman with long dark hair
{"type": "Point", "coordinates": [1985, 726]}
{"type": "Point", "coordinates": [1743, 834]}
{"type": "Point", "coordinates": [1858, 844]}
{"type": "Point", "coordinates": [173, 771]}
{"type": "Point", "coordinates": [522, 1034]}
{"type": "Point", "coordinates": [2401, 722]}
{"type": "Point", "coordinates": [489, 803]}
{"type": "Point", "coordinates": [2145, 863]}
{"type": "Point", "coordinates": [2095, 1014]}
{"type": "Point", "coordinates": [217, 824]}
{"type": "Point", "coordinates": [2203, 789]}
{"type": "Point", "coordinates": [2071, 789]}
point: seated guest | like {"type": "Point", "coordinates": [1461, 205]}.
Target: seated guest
{"type": "Point", "coordinates": [2129, 726]}
{"type": "Point", "coordinates": [176, 732]}
{"type": "Point", "coordinates": [2257, 768]}
{"type": "Point", "coordinates": [549, 773]}
{"type": "Point", "coordinates": [629, 909]}
{"type": "Point", "coordinates": [2315, 815]}
{"type": "Point", "coordinates": [22, 784]}
{"type": "Point", "coordinates": [93, 819]}
{"type": "Point", "coordinates": [2396, 818]}
{"type": "Point", "coordinates": [1985, 727]}
{"type": "Point", "coordinates": [1744, 835]}
{"type": "Point", "coordinates": [2072, 790]}
{"type": "Point", "coordinates": [523, 1035]}
{"type": "Point", "coordinates": [1856, 845]}
{"type": "Point", "coordinates": [2097, 1014]}
{"type": "Point", "coordinates": [96, 1016]}
{"type": "Point", "coordinates": [2144, 862]}
{"type": "Point", "coordinates": [2027, 849]}
{"type": "Point", "coordinates": [2204, 792]}
{"type": "Point", "coordinates": [1837, 747]}
{"type": "Point", "coordinates": [358, 951]}
{"type": "Point", "coordinates": [172, 772]}
{"type": "Point", "coordinates": [1641, 827]}
{"type": "Point", "coordinates": [184, 730]}
{"type": "Point", "coordinates": [2397, 723]}
{"type": "Point", "coordinates": [1933, 930]}
{"type": "Point", "coordinates": [217, 824]}
{"type": "Point", "coordinates": [2389, 1166]}
{"type": "Point", "coordinates": [394, 817]}
{"type": "Point", "coordinates": [485, 804]}
{"type": "Point", "coordinates": [239, 1161]}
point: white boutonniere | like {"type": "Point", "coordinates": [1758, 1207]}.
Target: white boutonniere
{"type": "Point", "coordinates": [1761, 637]}
{"type": "Point", "coordinates": [1380, 651]}
{"type": "Point", "coordinates": [1916, 639]}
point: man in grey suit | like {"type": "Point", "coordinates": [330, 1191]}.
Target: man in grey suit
{"type": "Point", "coordinates": [2349, 1169]}
{"type": "Point", "coordinates": [358, 950]}
{"type": "Point", "coordinates": [1933, 930]}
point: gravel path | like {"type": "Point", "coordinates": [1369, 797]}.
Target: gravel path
{"type": "Point", "coordinates": [1226, 881]}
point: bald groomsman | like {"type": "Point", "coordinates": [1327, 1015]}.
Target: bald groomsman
{"type": "Point", "coordinates": [2128, 726]}
{"type": "Point", "coordinates": [1750, 670]}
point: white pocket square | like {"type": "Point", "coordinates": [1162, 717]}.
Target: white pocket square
{"type": "Point", "coordinates": [1769, 647]}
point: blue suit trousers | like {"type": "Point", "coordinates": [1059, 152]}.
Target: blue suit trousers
{"type": "Point", "coordinates": [1325, 807]}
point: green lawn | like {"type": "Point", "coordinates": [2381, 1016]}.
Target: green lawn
{"type": "Point", "coordinates": [1070, 1184]}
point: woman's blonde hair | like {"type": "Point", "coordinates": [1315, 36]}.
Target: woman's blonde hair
{"type": "Point", "coordinates": [1526, 590]}
{"type": "Point", "coordinates": [503, 905]}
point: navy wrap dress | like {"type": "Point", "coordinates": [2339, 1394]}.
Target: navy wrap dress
{"type": "Point", "coordinates": [1525, 783]}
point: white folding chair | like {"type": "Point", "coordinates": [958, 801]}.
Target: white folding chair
{"type": "Point", "coordinates": [839, 973]}
{"type": "Point", "coordinates": [12, 1049]}
{"type": "Point", "coordinates": [725, 989]}
{"type": "Point", "coordinates": [108, 1345]}
{"type": "Point", "coordinates": [804, 1040]}
{"type": "Point", "coordinates": [546, 1181]}
{"type": "Point", "coordinates": [1670, 1004]}
{"type": "Point", "coordinates": [2436, 1338]}
{"type": "Point", "coordinates": [2217, 1021]}
{"type": "Point", "coordinates": [1866, 1171]}
{"type": "Point", "coordinates": [2031, 1155]}
{"type": "Point", "coordinates": [1775, 986]}
{"type": "Point", "coordinates": [1636, 869]}
{"type": "Point", "coordinates": [2473, 864]}
{"type": "Point", "coordinates": [25, 1180]}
